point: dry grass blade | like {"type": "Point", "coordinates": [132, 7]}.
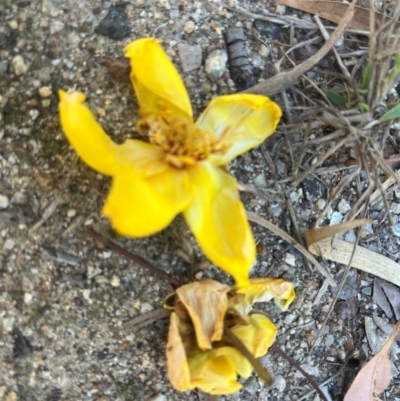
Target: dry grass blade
{"type": "Point", "coordinates": [335, 11]}
{"type": "Point", "coordinates": [146, 319]}
{"type": "Point", "coordinates": [374, 377]}
{"type": "Point", "coordinates": [340, 251]}
{"type": "Point", "coordinates": [276, 230]}
{"type": "Point", "coordinates": [286, 79]}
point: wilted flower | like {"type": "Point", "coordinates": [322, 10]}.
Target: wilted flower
{"type": "Point", "coordinates": [198, 354]}
{"type": "Point", "coordinates": [180, 168]}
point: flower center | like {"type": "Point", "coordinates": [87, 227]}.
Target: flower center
{"type": "Point", "coordinates": [182, 141]}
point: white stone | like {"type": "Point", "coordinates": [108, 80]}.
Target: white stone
{"type": "Point", "coordinates": [336, 218]}
{"type": "Point", "coordinates": [71, 213]}
{"type": "Point", "coordinates": [145, 307]}
{"type": "Point", "coordinates": [344, 206]}
{"type": "Point", "coordinates": [45, 91]}
{"type": "Point", "coordinates": [8, 324]}
{"type": "Point", "coordinates": [321, 203]}
{"type": "Point", "coordinates": [263, 51]}
{"type": "Point", "coordinates": [9, 244]}
{"type": "Point", "coordinates": [216, 64]}
{"type": "Point", "coordinates": [56, 26]}
{"type": "Point", "coordinates": [19, 66]}
{"type": "Point", "coordinates": [189, 27]}
{"type": "Point", "coordinates": [4, 202]}
{"type": "Point", "coordinates": [115, 281]}
{"type": "Point", "coordinates": [13, 24]}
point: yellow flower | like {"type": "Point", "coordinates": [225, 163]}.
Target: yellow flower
{"type": "Point", "coordinates": [180, 169]}
{"type": "Point", "coordinates": [198, 355]}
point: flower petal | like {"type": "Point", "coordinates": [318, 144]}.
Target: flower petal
{"type": "Point", "coordinates": [264, 289]}
{"type": "Point", "coordinates": [86, 136]}
{"type": "Point", "coordinates": [258, 336]}
{"type": "Point", "coordinates": [239, 122]}
{"type": "Point", "coordinates": [155, 79]}
{"type": "Point", "coordinates": [206, 301]}
{"type": "Point", "coordinates": [217, 219]}
{"type": "Point", "coordinates": [215, 374]}
{"type": "Point", "coordinates": [177, 364]}
{"type": "Point", "coordinates": [141, 205]}
{"type": "Point", "coordinates": [242, 365]}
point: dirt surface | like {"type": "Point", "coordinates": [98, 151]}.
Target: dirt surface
{"type": "Point", "coordinates": [65, 300]}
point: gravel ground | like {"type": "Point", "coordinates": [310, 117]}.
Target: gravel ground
{"type": "Point", "coordinates": [65, 299]}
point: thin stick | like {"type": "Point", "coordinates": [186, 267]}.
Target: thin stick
{"type": "Point", "coordinates": [285, 79]}
{"type": "Point", "coordinates": [135, 258]}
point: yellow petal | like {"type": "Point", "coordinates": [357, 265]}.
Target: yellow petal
{"type": "Point", "coordinates": [177, 365]}
{"type": "Point", "coordinates": [263, 290]}
{"type": "Point", "coordinates": [86, 136]}
{"type": "Point", "coordinates": [155, 79]}
{"type": "Point", "coordinates": [206, 301]}
{"type": "Point", "coordinates": [242, 365]}
{"type": "Point", "coordinates": [217, 219]}
{"type": "Point", "coordinates": [214, 374]}
{"type": "Point", "coordinates": [140, 205]}
{"type": "Point", "coordinates": [239, 122]}
{"type": "Point", "coordinates": [258, 336]}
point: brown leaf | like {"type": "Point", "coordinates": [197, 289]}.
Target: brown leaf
{"type": "Point", "coordinates": [334, 11]}
{"type": "Point", "coordinates": [374, 377]}
{"type": "Point", "coordinates": [206, 301]}
{"type": "Point", "coordinates": [118, 67]}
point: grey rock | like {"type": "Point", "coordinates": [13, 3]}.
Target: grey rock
{"type": "Point", "coordinates": [313, 189]}
{"type": "Point", "coordinates": [329, 340]}
{"type": "Point", "coordinates": [115, 24]}
{"type": "Point", "coordinates": [279, 383]}
{"type": "Point", "coordinates": [190, 56]}
{"type": "Point", "coordinates": [276, 209]}
{"type": "Point", "coordinates": [350, 287]}
{"type": "Point", "coordinates": [3, 67]}
{"type": "Point", "coordinates": [260, 181]}
{"type": "Point", "coordinates": [19, 198]}
{"type": "Point", "coordinates": [366, 291]}
{"type": "Point", "coordinates": [395, 229]}
{"type": "Point", "coordinates": [216, 64]}
{"type": "Point", "coordinates": [252, 385]}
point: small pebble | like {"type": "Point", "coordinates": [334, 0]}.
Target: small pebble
{"type": "Point", "coordinates": [115, 281]}
{"type": "Point", "coordinates": [145, 307]}
{"type": "Point", "coordinates": [263, 51]}
{"type": "Point", "coordinates": [279, 383]}
{"type": "Point", "coordinates": [8, 324]}
{"type": "Point", "coordinates": [260, 181]}
{"type": "Point", "coordinates": [4, 202]}
{"type": "Point", "coordinates": [28, 298]}
{"type": "Point", "coordinates": [395, 229]}
{"type": "Point", "coordinates": [56, 26]}
{"type": "Point", "coordinates": [289, 319]}
{"type": "Point", "coordinates": [11, 397]}
{"type": "Point", "coordinates": [19, 66]}
{"type": "Point", "coordinates": [276, 209]}
{"type": "Point", "coordinates": [321, 203]}
{"type": "Point", "coordinates": [190, 56]}
{"type": "Point", "coordinates": [336, 218]}
{"type": "Point", "coordinates": [26, 284]}
{"type": "Point", "coordinates": [366, 291]}
{"type": "Point", "coordinates": [45, 91]}
{"type": "Point", "coordinates": [100, 279]}
{"type": "Point", "coordinates": [216, 64]}
{"type": "Point", "coordinates": [329, 340]}
{"type": "Point", "coordinates": [159, 397]}
{"type": "Point", "coordinates": [13, 24]}
{"type": "Point", "coordinates": [344, 206]}
{"type": "Point", "coordinates": [189, 27]}
{"type": "Point", "coordinates": [9, 244]}
{"type": "Point", "coordinates": [71, 213]}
